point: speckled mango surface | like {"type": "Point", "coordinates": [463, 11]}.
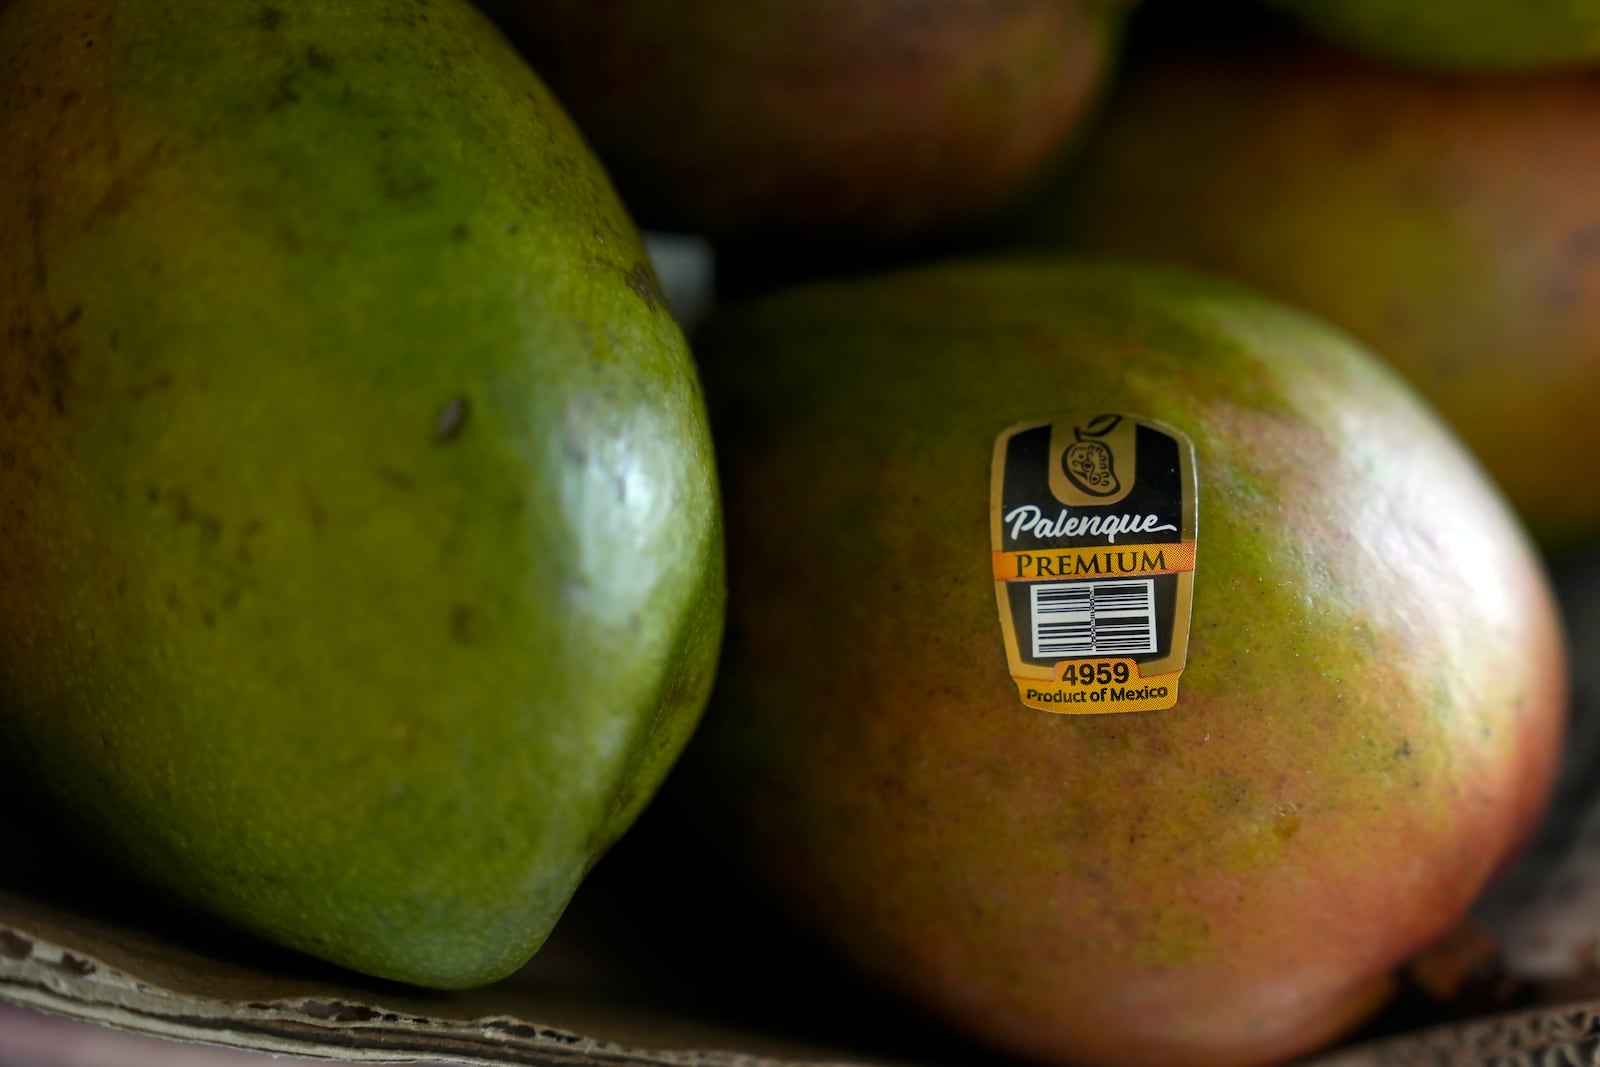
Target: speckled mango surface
{"type": "Point", "coordinates": [360, 569]}
{"type": "Point", "coordinates": [1365, 728]}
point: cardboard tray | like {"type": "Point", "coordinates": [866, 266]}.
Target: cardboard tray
{"type": "Point", "coordinates": [624, 980]}
{"type": "Point", "coordinates": [595, 997]}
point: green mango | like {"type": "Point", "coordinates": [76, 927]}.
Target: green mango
{"type": "Point", "coordinates": [1467, 35]}
{"type": "Point", "coordinates": [360, 573]}
{"type": "Point", "coordinates": [1365, 728]}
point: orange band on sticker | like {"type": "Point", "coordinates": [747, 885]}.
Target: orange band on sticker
{"type": "Point", "coordinates": [1093, 562]}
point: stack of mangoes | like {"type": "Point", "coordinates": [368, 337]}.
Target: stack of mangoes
{"type": "Point", "coordinates": [373, 537]}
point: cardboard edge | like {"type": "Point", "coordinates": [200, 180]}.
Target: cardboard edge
{"type": "Point", "coordinates": [38, 973]}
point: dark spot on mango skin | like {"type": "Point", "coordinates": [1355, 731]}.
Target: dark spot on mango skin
{"type": "Point", "coordinates": [463, 624]}
{"type": "Point", "coordinates": [116, 199]}
{"type": "Point", "coordinates": [396, 479]}
{"type": "Point", "coordinates": [459, 232]}
{"type": "Point", "coordinates": [157, 384]}
{"type": "Point", "coordinates": [55, 360]}
{"type": "Point", "coordinates": [51, 355]}
{"type": "Point", "coordinates": [1584, 244]}
{"type": "Point", "coordinates": [251, 528]}
{"type": "Point", "coordinates": [56, 369]}
{"type": "Point", "coordinates": [283, 94]}
{"type": "Point", "coordinates": [452, 417]}
{"type": "Point", "coordinates": [125, 184]}
{"type": "Point", "coordinates": [41, 273]}
{"type": "Point", "coordinates": [1285, 825]}
{"type": "Point", "coordinates": [318, 60]}
{"type": "Point", "coordinates": [406, 186]}
{"type": "Point", "coordinates": [316, 515]}
{"type": "Point", "coordinates": [184, 512]}
{"type": "Point", "coordinates": [1564, 288]}
{"type": "Point", "coordinates": [642, 280]}
{"type": "Point", "coordinates": [269, 18]}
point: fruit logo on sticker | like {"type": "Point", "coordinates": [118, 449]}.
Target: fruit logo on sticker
{"type": "Point", "coordinates": [1088, 462]}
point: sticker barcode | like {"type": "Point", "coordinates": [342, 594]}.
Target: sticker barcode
{"type": "Point", "coordinates": [1113, 618]}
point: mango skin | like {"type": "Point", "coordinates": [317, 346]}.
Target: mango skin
{"type": "Point", "coordinates": [1449, 223]}
{"type": "Point", "coordinates": [845, 119]}
{"type": "Point", "coordinates": [1505, 36]}
{"type": "Point", "coordinates": [1366, 728]}
{"type": "Point", "coordinates": [361, 564]}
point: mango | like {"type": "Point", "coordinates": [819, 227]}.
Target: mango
{"type": "Point", "coordinates": [1447, 222]}
{"type": "Point", "coordinates": [1365, 728]}
{"type": "Point", "coordinates": [1506, 36]}
{"type": "Point", "coordinates": [840, 121]}
{"type": "Point", "coordinates": [361, 570]}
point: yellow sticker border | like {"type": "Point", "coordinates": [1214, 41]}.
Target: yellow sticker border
{"type": "Point", "coordinates": [1151, 686]}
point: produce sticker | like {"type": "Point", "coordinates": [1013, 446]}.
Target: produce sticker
{"type": "Point", "coordinates": [1093, 534]}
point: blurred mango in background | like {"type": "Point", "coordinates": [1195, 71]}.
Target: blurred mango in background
{"type": "Point", "coordinates": [1485, 35]}
{"type": "Point", "coordinates": [844, 119]}
{"type": "Point", "coordinates": [1450, 222]}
